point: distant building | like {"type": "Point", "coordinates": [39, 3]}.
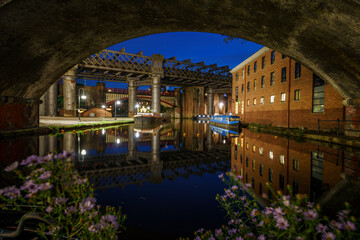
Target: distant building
{"type": "Point", "coordinates": [271, 88]}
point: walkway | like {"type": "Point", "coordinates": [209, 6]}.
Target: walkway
{"type": "Point", "coordinates": [64, 121]}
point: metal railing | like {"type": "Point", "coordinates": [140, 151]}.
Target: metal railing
{"type": "Point", "coordinates": [339, 126]}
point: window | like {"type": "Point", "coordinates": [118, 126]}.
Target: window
{"type": "Point", "coordinates": [269, 194]}
{"type": "Point", "coordinates": [253, 148]}
{"type": "Point", "coordinates": [235, 152]}
{"type": "Point", "coordinates": [260, 189]}
{"type": "Point", "coordinates": [236, 94]}
{"type": "Point", "coordinates": [254, 84]}
{"type": "Point", "coordinates": [283, 74]}
{"type": "Point", "coordinates": [253, 183]}
{"type": "Point", "coordinates": [283, 56]}
{"type": "Point", "coordinates": [253, 165]}
{"type": "Point", "coordinates": [272, 98]}
{"type": "Point", "coordinates": [262, 81]}
{"type": "Point", "coordinates": [281, 181]}
{"type": "Point", "coordinates": [262, 100]}
{"type": "Point", "coordinates": [262, 62]}
{"type": "Point", "coordinates": [247, 161]}
{"type": "Point", "coordinates": [296, 164]}
{"type": "Point", "coordinates": [261, 150]}
{"type": "Point", "coordinates": [255, 66]}
{"type": "Point", "coordinates": [261, 168]}
{"type": "Point", "coordinates": [247, 145]}
{"type": "Point", "coordinates": [240, 158]}
{"type": "Point", "coordinates": [318, 95]}
{"type": "Point", "coordinates": [237, 77]}
{"type": "Point", "coordinates": [295, 188]}
{"type": "Point", "coordinates": [270, 175]}
{"type": "Point", "coordinates": [242, 74]}
{"type": "Point", "coordinates": [271, 154]}
{"type": "Point", "coordinates": [272, 57]}
{"type": "Point", "coordinates": [248, 103]}
{"type": "Point", "coordinates": [248, 86]}
{"type": "Point", "coordinates": [272, 78]}
{"type": "Point", "coordinates": [246, 177]}
{"type": "Point", "coordinates": [248, 70]}
{"type": "Point", "coordinates": [283, 97]}
{"type": "Point", "coordinates": [254, 101]}
{"type": "Point", "coordinates": [297, 70]}
{"type": "Point", "coordinates": [282, 159]}
{"type": "Point", "coordinates": [242, 88]}
{"type": "Point", "coordinates": [297, 95]}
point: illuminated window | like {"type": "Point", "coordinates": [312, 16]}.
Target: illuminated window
{"type": "Point", "coordinates": [271, 154]}
{"type": "Point", "coordinates": [254, 101]}
{"type": "Point", "coordinates": [297, 95]}
{"type": "Point", "coordinates": [253, 165]}
{"type": "Point", "coordinates": [261, 150]}
{"type": "Point", "coordinates": [242, 73]}
{"type": "Point", "coordinates": [283, 97]}
{"type": "Point", "coordinates": [272, 78]}
{"type": "Point", "coordinates": [272, 98]}
{"type": "Point", "coordinates": [296, 164]}
{"type": "Point", "coordinates": [282, 159]}
{"type": "Point", "coordinates": [262, 81]}
{"type": "Point", "coordinates": [247, 145]}
{"type": "Point", "coordinates": [254, 84]}
{"type": "Point", "coordinates": [253, 148]}
{"type": "Point", "coordinates": [237, 77]}
{"type": "Point", "coordinates": [318, 94]}
{"type": "Point", "coordinates": [262, 100]}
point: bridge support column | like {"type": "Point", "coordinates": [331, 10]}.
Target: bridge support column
{"type": "Point", "coordinates": [156, 165]}
{"type": "Point", "coordinates": [157, 72]}
{"type": "Point", "coordinates": [352, 117]}
{"type": "Point", "coordinates": [52, 100]}
{"type": "Point", "coordinates": [177, 107]}
{"type": "Point", "coordinates": [69, 142]}
{"type": "Point", "coordinates": [42, 106]}
{"type": "Point", "coordinates": [69, 85]}
{"type": "Point", "coordinates": [210, 101]}
{"type": "Point", "coordinates": [132, 90]}
{"type": "Point", "coordinates": [131, 143]}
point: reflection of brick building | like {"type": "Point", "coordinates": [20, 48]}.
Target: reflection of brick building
{"type": "Point", "coordinates": [308, 168]}
{"type": "Point", "coordinates": [270, 88]}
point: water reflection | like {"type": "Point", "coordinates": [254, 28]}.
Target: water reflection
{"type": "Point", "coordinates": [310, 168]}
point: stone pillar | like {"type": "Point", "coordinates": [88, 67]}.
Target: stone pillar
{"type": "Point", "coordinates": [69, 85]}
{"type": "Point", "coordinates": [43, 145]}
{"type": "Point", "coordinates": [42, 106]}
{"type": "Point", "coordinates": [210, 101]}
{"type": "Point", "coordinates": [53, 144]}
{"type": "Point", "coordinates": [69, 142]}
{"type": "Point", "coordinates": [177, 108]}
{"type": "Point", "coordinates": [52, 100]}
{"type": "Point", "coordinates": [156, 73]}
{"type": "Point", "coordinates": [209, 140]}
{"type": "Point", "coordinates": [156, 165]}
{"type": "Point", "coordinates": [132, 91]}
{"type": "Point", "coordinates": [352, 117]}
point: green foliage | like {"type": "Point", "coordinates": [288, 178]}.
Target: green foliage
{"type": "Point", "coordinates": [54, 189]}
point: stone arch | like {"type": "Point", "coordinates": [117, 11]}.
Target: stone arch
{"type": "Point", "coordinates": [41, 40]}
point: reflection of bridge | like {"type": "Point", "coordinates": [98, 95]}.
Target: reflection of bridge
{"type": "Point", "coordinates": [119, 170]}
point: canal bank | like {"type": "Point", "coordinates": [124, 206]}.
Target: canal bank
{"type": "Point", "coordinates": [299, 134]}
{"type": "Point", "coordinates": [53, 125]}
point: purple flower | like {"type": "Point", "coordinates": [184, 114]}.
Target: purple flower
{"type": "Point", "coordinates": [64, 155]}
{"type": "Point", "coordinates": [328, 236]}
{"type": "Point", "coordinates": [45, 186]}
{"type": "Point", "coordinates": [79, 180]}
{"type": "Point", "coordinates": [310, 204]}
{"type": "Point", "coordinates": [341, 214]}
{"type": "Point", "coordinates": [239, 238]}
{"type": "Point", "coordinates": [311, 214]}
{"type": "Point", "coordinates": [218, 232]}
{"type": "Point", "coordinates": [278, 212]}
{"type": "Point", "coordinates": [45, 175]}
{"type": "Point", "coordinates": [31, 160]}
{"type": "Point", "coordinates": [108, 221]}
{"type": "Point", "coordinates": [248, 185]}
{"type": "Point", "coordinates": [231, 222]}
{"type": "Point", "coordinates": [260, 224]}
{"type": "Point", "coordinates": [243, 198]}
{"type": "Point", "coordinates": [234, 188]}
{"type": "Point", "coordinates": [336, 225]}
{"type": "Point", "coordinates": [238, 177]}
{"type": "Point", "coordinates": [254, 212]}
{"type": "Point", "coordinates": [87, 204]}
{"type": "Point", "coordinates": [48, 209]}
{"type": "Point", "coordinates": [93, 229]}
{"type": "Point", "coordinates": [11, 192]}
{"type": "Point", "coordinates": [349, 226]}
{"type": "Point", "coordinates": [70, 210]}
{"type": "Point", "coordinates": [268, 210]}
{"type": "Point", "coordinates": [261, 237]}
{"type": "Point", "coordinates": [221, 175]}
{"type": "Point", "coordinates": [12, 167]}
{"type": "Point", "coordinates": [250, 234]}
{"type": "Point", "coordinates": [299, 238]}
{"type": "Point", "coordinates": [211, 238]}
{"type": "Point", "coordinates": [321, 228]}
{"type": "Point", "coordinates": [60, 200]}
{"type": "Point", "coordinates": [232, 231]}
{"type": "Point", "coordinates": [237, 221]}
{"type": "Point", "coordinates": [200, 230]}
{"type": "Point", "coordinates": [282, 223]}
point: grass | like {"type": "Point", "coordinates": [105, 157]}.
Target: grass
{"type": "Point", "coordinates": [286, 132]}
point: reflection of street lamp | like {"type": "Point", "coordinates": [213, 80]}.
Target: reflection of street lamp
{"type": "Point", "coordinates": [82, 97]}
{"type": "Point", "coordinates": [103, 106]}
{"type": "Point", "coordinates": [137, 107]}
{"type": "Point", "coordinates": [116, 103]}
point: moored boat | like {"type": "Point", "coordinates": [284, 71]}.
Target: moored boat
{"type": "Point", "coordinates": [226, 121]}
{"type": "Point", "coordinates": [225, 132]}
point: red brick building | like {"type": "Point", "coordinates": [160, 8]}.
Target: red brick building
{"type": "Point", "coordinates": [270, 88]}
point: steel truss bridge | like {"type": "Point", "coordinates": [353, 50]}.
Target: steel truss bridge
{"type": "Point", "coordinates": [108, 65]}
{"type": "Point", "coordinates": [119, 171]}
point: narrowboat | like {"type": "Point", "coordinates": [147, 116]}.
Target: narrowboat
{"type": "Point", "coordinates": [226, 121]}
{"type": "Point", "coordinates": [225, 132]}
{"type": "Point", "coordinates": [202, 117]}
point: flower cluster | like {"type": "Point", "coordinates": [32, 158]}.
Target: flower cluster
{"type": "Point", "coordinates": [61, 195]}
{"type": "Point", "coordinates": [285, 218]}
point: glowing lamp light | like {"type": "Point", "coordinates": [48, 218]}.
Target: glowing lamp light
{"type": "Point", "coordinates": [117, 102]}
{"type": "Point", "coordinates": [137, 106]}
{"type": "Point", "coordinates": [103, 106]}
{"type": "Point", "coordinates": [221, 105]}
{"type": "Point", "coordinates": [83, 97]}
{"type": "Point", "coordinates": [83, 152]}
{"type": "Point", "coordinates": [103, 131]}
{"type": "Point", "coordinates": [117, 141]}
{"type": "Point", "coordinates": [137, 134]}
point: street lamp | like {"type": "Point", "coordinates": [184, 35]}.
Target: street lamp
{"type": "Point", "coordinates": [137, 107]}
{"type": "Point", "coordinates": [116, 103]}
{"type": "Point", "coordinates": [81, 97]}
{"type": "Point", "coordinates": [103, 106]}
{"type": "Point", "coordinates": [221, 105]}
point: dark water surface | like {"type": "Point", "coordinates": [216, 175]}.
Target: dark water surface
{"type": "Point", "coordinates": [166, 178]}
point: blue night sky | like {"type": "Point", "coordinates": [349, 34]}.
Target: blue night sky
{"type": "Point", "coordinates": [208, 47]}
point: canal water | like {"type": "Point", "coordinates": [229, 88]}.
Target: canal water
{"type": "Point", "coordinates": [166, 178]}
